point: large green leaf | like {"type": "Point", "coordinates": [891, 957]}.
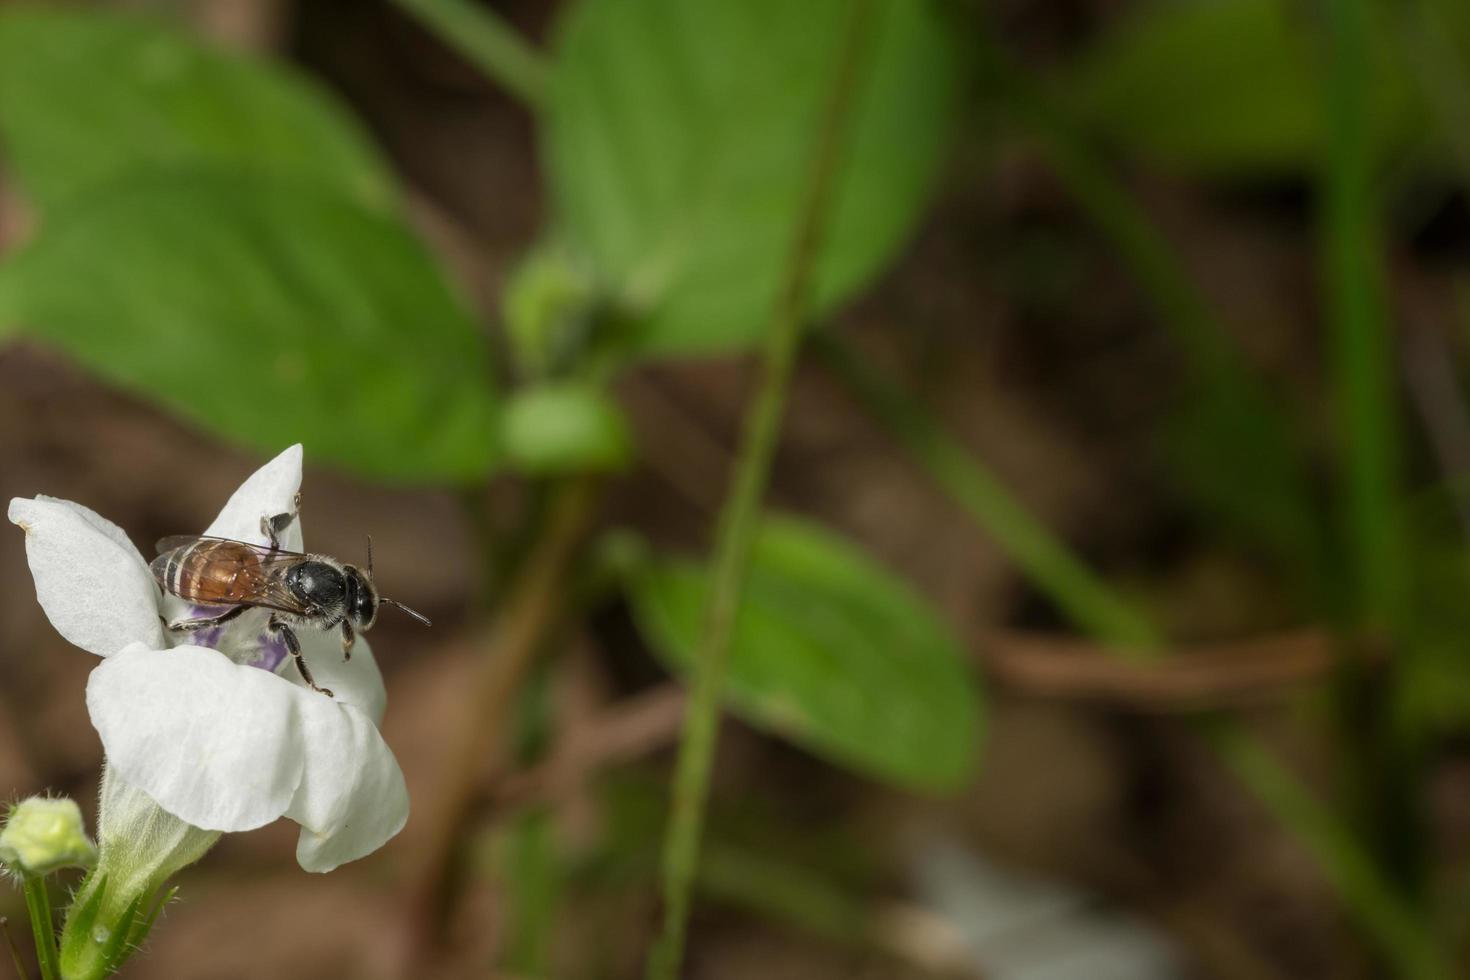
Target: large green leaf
{"type": "Point", "coordinates": [831, 651]}
{"type": "Point", "coordinates": [679, 138]}
{"type": "Point", "coordinates": [268, 310]}
{"type": "Point", "coordinates": [86, 96]}
{"type": "Point", "coordinates": [1226, 86]}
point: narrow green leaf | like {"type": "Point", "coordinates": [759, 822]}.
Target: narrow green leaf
{"type": "Point", "coordinates": [87, 96]}
{"type": "Point", "coordinates": [144, 923]}
{"type": "Point", "coordinates": [677, 138]}
{"type": "Point", "coordinates": [831, 651]}
{"type": "Point", "coordinates": [116, 949]}
{"type": "Point", "coordinates": [269, 312]}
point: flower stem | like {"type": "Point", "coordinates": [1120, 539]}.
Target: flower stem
{"type": "Point", "coordinates": [738, 519]}
{"type": "Point", "coordinates": [490, 44]}
{"type": "Point", "coordinates": [43, 927]}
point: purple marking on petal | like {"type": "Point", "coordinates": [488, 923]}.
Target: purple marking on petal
{"type": "Point", "coordinates": [208, 637]}
{"type": "Point", "coordinates": [271, 652]}
{"type": "Point", "coordinates": [268, 650]}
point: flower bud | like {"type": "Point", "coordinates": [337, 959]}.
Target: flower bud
{"type": "Point", "coordinates": [44, 834]}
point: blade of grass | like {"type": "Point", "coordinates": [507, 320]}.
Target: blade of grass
{"type": "Point", "coordinates": [1047, 562]}
{"type": "Point", "coordinates": [1395, 928]}
{"type": "Point", "coordinates": [490, 44]}
{"type": "Point", "coordinates": [1362, 353]}
{"type": "Point", "coordinates": [1228, 400]}
{"type": "Point", "coordinates": [739, 516]}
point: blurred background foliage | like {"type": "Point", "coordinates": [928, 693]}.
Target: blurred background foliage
{"type": "Point", "coordinates": [1153, 651]}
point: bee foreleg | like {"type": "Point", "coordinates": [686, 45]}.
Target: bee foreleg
{"type": "Point", "coordinates": [190, 625]}
{"type": "Point", "coordinates": [348, 638]}
{"type": "Point", "coordinates": [293, 646]}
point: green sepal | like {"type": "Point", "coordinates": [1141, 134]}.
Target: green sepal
{"type": "Point", "coordinates": [82, 918]}
{"type": "Point", "coordinates": [144, 925]}
{"type": "Point", "coordinates": [118, 947]}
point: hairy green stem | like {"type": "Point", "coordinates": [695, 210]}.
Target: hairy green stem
{"type": "Point", "coordinates": [741, 512]}
{"type": "Point", "coordinates": [490, 44]}
{"type": "Point", "coordinates": [43, 927]}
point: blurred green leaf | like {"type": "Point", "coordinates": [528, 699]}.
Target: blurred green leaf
{"type": "Point", "coordinates": [1224, 87]}
{"type": "Point", "coordinates": [86, 96]}
{"type": "Point", "coordinates": [679, 135]}
{"type": "Point", "coordinates": [564, 428]}
{"type": "Point", "coordinates": [269, 312]}
{"type": "Point", "coordinates": [831, 651]}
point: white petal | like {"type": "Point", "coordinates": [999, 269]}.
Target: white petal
{"type": "Point", "coordinates": [352, 798]}
{"type": "Point", "coordinates": [269, 491]}
{"type": "Point", "coordinates": [356, 682]}
{"type": "Point", "coordinates": [94, 586]}
{"type": "Point", "coordinates": [230, 747]}
{"type": "Point", "coordinates": [216, 744]}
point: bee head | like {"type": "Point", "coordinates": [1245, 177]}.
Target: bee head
{"type": "Point", "coordinates": [362, 599]}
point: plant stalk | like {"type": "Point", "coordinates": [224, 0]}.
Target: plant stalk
{"type": "Point", "coordinates": [740, 515]}
{"type": "Point", "coordinates": [43, 926]}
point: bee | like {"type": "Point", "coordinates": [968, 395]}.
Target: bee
{"type": "Point", "coordinates": [301, 590]}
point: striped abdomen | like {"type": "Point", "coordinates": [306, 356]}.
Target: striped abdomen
{"type": "Point", "coordinates": [214, 573]}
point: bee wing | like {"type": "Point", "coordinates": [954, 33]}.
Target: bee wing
{"type": "Point", "coordinates": [239, 575]}
{"type": "Point", "coordinates": [175, 541]}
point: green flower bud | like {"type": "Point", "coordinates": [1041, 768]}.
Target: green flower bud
{"type": "Point", "coordinates": [43, 835]}
{"type": "Point", "coordinates": [564, 428]}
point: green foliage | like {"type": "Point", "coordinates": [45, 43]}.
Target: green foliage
{"type": "Point", "coordinates": [831, 651]}
{"type": "Point", "coordinates": [549, 308]}
{"type": "Point", "coordinates": [1225, 87]}
{"type": "Point", "coordinates": [269, 312]}
{"type": "Point", "coordinates": [85, 96]}
{"type": "Point", "coordinates": [679, 135]}
{"type": "Point", "coordinates": [564, 428]}
{"type": "Point", "coordinates": [242, 261]}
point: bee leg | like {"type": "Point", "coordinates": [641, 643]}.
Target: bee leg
{"type": "Point", "coordinates": [348, 638]}
{"type": "Point", "coordinates": [272, 527]}
{"type": "Point", "coordinates": [293, 646]}
{"type": "Point", "coordinates": [190, 625]}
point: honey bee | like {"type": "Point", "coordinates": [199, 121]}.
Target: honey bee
{"type": "Point", "coordinates": [301, 590]}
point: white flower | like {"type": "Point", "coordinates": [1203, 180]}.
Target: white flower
{"type": "Point", "coordinates": [216, 726]}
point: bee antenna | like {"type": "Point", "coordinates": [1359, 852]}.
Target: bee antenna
{"type": "Point", "coordinates": [412, 612]}
{"type": "Point", "coordinates": [370, 556]}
